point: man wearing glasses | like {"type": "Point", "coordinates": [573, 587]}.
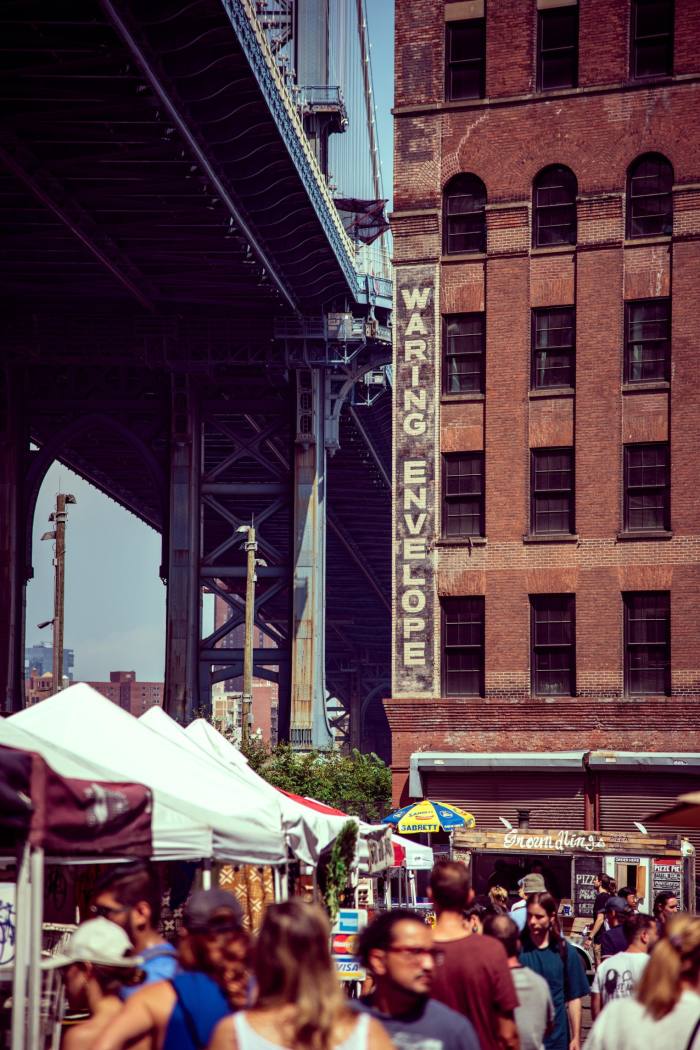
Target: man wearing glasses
{"type": "Point", "coordinates": [397, 949]}
{"type": "Point", "coordinates": [129, 895]}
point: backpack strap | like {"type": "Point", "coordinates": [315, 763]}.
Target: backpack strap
{"type": "Point", "coordinates": [187, 1018]}
{"type": "Point", "coordinates": [696, 1029]}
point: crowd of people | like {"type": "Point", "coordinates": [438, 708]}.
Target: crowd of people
{"type": "Point", "coordinates": [487, 976]}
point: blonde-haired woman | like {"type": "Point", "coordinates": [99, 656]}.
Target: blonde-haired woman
{"type": "Point", "coordinates": [666, 1012]}
{"type": "Point", "coordinates": [299, 1003]}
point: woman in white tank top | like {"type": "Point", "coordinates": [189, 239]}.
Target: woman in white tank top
{"type": "Point", "coordinates": [300, 1004]}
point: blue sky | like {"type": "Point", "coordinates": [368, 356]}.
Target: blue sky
{"type": "Point", "coordinates": [115, 601]}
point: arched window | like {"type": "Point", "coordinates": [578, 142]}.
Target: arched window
{"type": "Point", "coordinates": [464, 218]}
{"type": "Point", "coordinates": [554, 207]}
{"type": "Point", "coordinates": [649, 200]}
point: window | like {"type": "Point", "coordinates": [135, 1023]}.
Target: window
{"type": "Point", "coordinates": [647, 340]}
{"type": "Point", "coordinates": [553, 644]}
{"type": "Point", "coordinates": [649, 199]}
{"type": "Point", "coordinates": [553, 347]}
{"type": "Point", "coordinates": [652, 38]}
{"type": "Point", "coordinates": [646, 487]}
{"type": "Point", "coordinates": [465, 50]}
{"type": "Point", "coordinates": [463, 646]}
{"type": "Point", "coordinates": [647, 643]}
{"type": "Point", "coordinates": [463, 494]}
{"type": "Point", "coordinates": [552, 482]}
{"type": "Point", "coordinates": [464, 216]}
{"type": "Point", "coordinates": [464, 354]}
{"type": "Point", "coordinates": [554, 207]}
{"type": "Point", "coordinates": [557, 48]}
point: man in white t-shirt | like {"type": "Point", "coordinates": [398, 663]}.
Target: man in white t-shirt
{"type": "Point", "coordinates": [618, 976]}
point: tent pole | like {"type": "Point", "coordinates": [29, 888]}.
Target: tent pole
{"type": "Point", "coordinates": [22, 937]}
{"type": "Point", "coordinates": [37, 914]}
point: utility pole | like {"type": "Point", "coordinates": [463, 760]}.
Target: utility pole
{"type": "Point", "coordinates": [59, 518]}
{"type": "Point", "coordinates": [251, 547]}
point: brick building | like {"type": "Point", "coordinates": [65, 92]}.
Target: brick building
{"type": "Point", "coordinates": [123, 689]}
{"type": "Point", "coordinates": [546, 430]}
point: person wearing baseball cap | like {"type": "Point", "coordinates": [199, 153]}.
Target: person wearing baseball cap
{"type": "Point", "coordinates": [181, 1013]}
{"type": "Point", "coordinates": [96, 964]}
{"type": "Point", "coordinates": [532, 883]}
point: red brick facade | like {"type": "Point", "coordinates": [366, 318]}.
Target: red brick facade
{"type": "Point", "coordinates": [597, 129]}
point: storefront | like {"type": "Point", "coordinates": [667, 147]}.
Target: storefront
{"type": "Point", "coordinates": [569, 861]}
{"type": "Point", "coordinates": [609, 791]}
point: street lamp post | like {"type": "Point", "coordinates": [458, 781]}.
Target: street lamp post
{"type": "Point", "coordinates": [251, 547]}
{"type": "Point", "coordinates": [59, 518]}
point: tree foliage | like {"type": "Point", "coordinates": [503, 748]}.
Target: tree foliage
{"type": "Point", "coordinates": [359, 784]}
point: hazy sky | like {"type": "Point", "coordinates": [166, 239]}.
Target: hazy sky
{"type": "Point", "coordinates": [115, 601]}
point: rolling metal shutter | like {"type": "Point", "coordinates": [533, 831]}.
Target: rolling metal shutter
{"type": "Point", "coordinates": [629, 796]}
{"type": "Point", "coordinates": [555, 799]}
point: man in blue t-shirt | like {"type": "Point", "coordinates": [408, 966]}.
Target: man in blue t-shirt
{"type": "Point", "coordinates": [397, 949]}
{"type": "Point", "coordinates": [547, 953]}
{"type": "Point", "coordinates": [129, 895]}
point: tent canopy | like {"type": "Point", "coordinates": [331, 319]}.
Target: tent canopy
{"type": "Point", "coordinates": [246, 827]}
{"type": "Point", "coordinates": [307, 833]}
{"type": "Point", "coordinates": [175, 834]}
{"type": "Point", "coordinates": [66, 816]}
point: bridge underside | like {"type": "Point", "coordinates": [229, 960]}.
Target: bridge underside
{"type": "Point", "coordinates": [167, 264]}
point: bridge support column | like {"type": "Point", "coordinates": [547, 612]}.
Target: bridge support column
{"type": "Point", "coordinates": [309, 726]}
{"type": "Point", "coordinates": [183, 611]}
{"type": "Point", "coordinates": [13, 443]}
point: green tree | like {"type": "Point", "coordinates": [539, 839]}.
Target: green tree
{"type": "Point", "coordinates": [359, 784]}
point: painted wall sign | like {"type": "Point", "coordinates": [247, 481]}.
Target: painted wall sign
{"type": "Point", "coordinates": [414, 482]}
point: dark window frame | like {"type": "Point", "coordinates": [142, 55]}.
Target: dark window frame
{"type": "Point", "coordinates": [662, 371]}
{"type": "Point", "coordinates": [633, 676]}
{"type": "Point", "coordinates": [637, 45]}
{"type": "Point", "coordinates": [565, 349]}
{"type": "Point", "coordinates": [542, 651]}
{"type": "Point", "coordinates": [549, 15]}
{"type": "Point", "coordinates": [535, 455]}
{"type": "Point", "coordinates": [478, 499]}
{"type": "Point", "coordinates": [638, 224]}
{"type": "Point", "coordinates": [448, 374]}
{"type": "Point", "coordinates": [466, 185]}
{"type": "Point", "coordinates": [474, 607]}
{"type": "Point", "coordinates": [453, 65]}
{"type": "Point", "coordinates": [567, 183]}
{"type": "Point", "coordinates": [630, 489]}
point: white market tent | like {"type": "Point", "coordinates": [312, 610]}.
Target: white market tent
{"type": "Point", "coordinates": [247, 827]}
{"type": "Point", "coordinates": [321, 821]}
{"type": "Point", "coordinates": [176, 835]}
{"type": "Point", "coordinates": [306, 832]}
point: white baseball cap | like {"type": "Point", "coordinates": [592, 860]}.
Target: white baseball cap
{"type": "Point", "coordinates": [97, 941]}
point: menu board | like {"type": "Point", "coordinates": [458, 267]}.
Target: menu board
{"type": "Point", "coordinates": [585, 870]}
{"type": "Point", "coordinates": [667, 876]}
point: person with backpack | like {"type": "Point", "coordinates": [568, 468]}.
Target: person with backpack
{"type": "Point", "coordinates": [547, 952]}
{"type": "Point", "coordinates": [182, 1013]}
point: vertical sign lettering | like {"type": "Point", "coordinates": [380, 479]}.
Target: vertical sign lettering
{"type": "Point", "coordinates": [414, 473]}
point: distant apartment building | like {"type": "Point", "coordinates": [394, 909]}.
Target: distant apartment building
{"type": "Point", "coordinates": [123, 689]}
{"type": "Point", "coordinates": [39, 658]}
{"type": "Point", "coordinates": [546, 425]}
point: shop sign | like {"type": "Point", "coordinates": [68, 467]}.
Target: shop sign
{"type": "Point", "coordinates": [555, 841]}
{"type": "Point", "coordinates": [380, 852]}
{"type": "Point", "coordinates": [667, 876]}
{"type": "Point", "coordinates": [346, 928]}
